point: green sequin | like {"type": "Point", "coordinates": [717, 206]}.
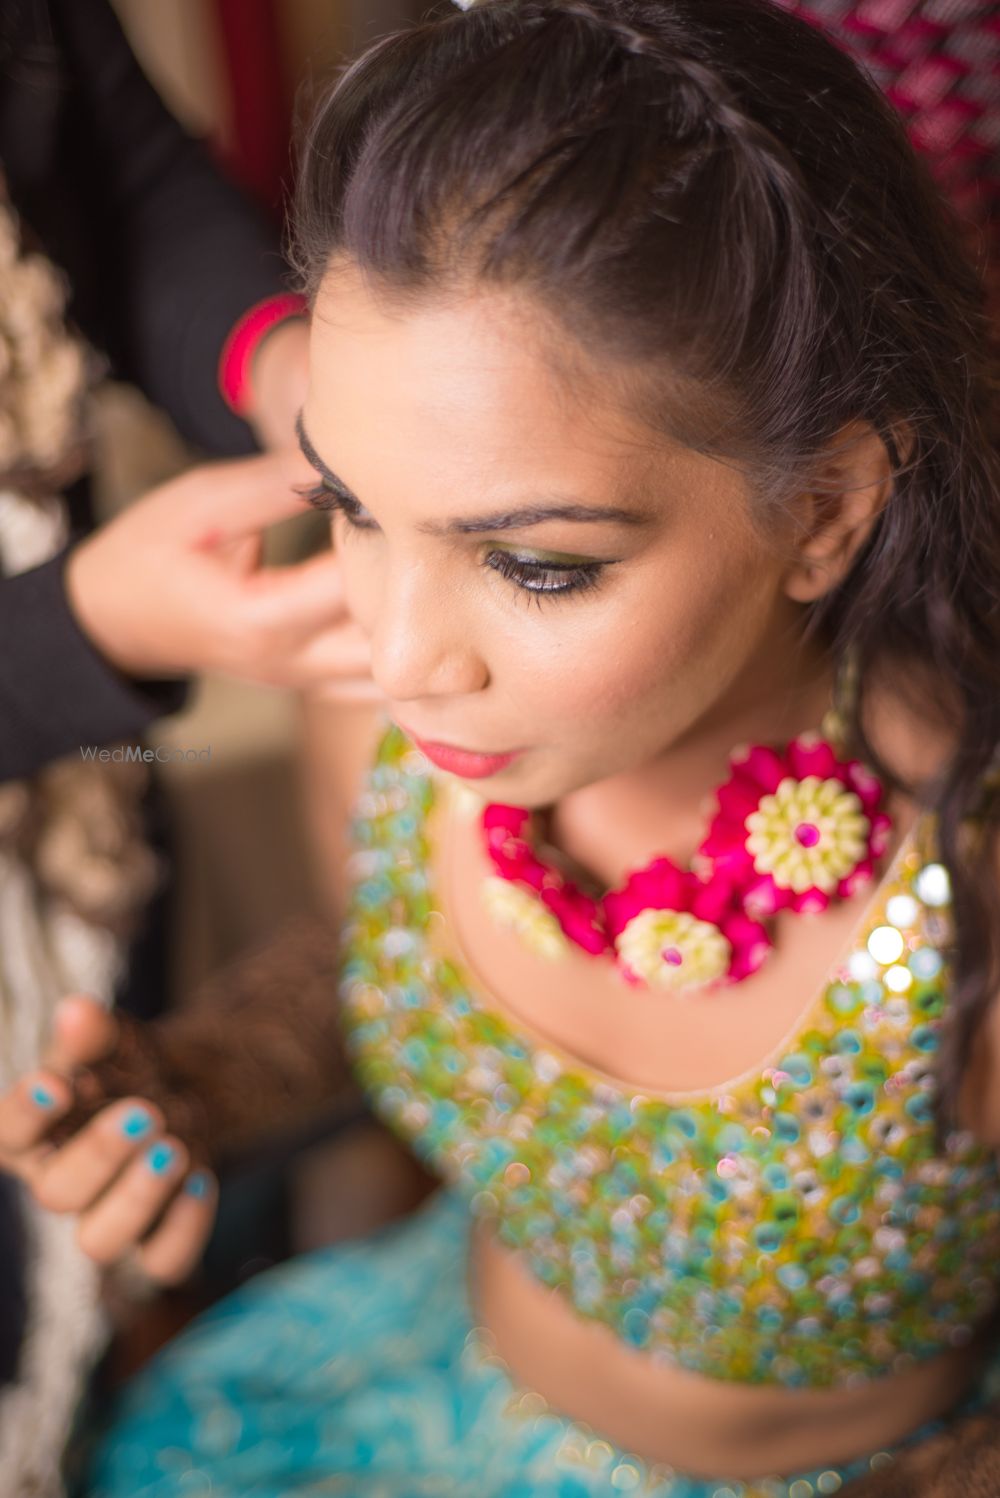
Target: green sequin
{"type": "Point", "coordinates": [806, 1235]}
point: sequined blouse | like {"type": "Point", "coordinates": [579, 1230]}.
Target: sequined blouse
{"type": "Point", "coordinates": [793, 1227]}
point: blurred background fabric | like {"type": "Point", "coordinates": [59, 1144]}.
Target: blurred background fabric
{"type": "Point", "coordinates": [938, 63]}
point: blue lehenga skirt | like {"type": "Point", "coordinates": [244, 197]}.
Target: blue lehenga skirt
{"type": "Point", "coordinates": [356, 1369]}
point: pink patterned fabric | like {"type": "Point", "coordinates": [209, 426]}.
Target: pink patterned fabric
{"type": "Point", "coordinates": [938, 61]}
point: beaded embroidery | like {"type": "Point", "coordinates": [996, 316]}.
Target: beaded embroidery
{"type": "Point", "coordinates": [795, 1227]}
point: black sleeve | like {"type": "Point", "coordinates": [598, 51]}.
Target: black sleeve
{"type": "Point", "coordinates": [57, 693]}
{"type": "Point", "coordinates": [181, 252]}
{"type": "Point", "coordinates": [13, 1287]}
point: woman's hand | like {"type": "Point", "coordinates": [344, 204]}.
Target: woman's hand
{"type": "Point", "coordinates": [126, 1180]}
{"type": "Point", "coordinates": [174, 584]}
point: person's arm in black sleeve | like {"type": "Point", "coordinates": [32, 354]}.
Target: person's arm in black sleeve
{"type": "Point", "coordinates": [184, 254]}
{"type": "Point", "coordinates": [57, 693]}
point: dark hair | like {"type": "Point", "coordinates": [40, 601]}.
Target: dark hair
{"type": "Point", "coordinates": [712, 191]}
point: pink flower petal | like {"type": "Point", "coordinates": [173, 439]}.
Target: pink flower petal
{"type": "Point", "coordinates": [530, 871]}
{"type": "Point", "coordinates": [728, 853]}
{"type": "Point", "coordinates": [511, 818]}
{"type": "Point", "coordinates": [878, 837]}
{"type": "Point", "coordinates": [660, 887]}
{"type": "Point", "coordinates": [860, 875]}
{"type": "Point", "coordinates": [809, 901]}
{"type": "Point", "coordinates": [666, 884]}
{"type": "Point", "coordinates": [864, 783]}
{"type": "Point", "coordinates": [712, 901]}
{"type": "Point", "coordinates": [737, 799]}
{"type": "Point", "coordinates": [742, 930]}
{"type": "Point", "coordinates": [761, 896]}
{"type": "Point", "coordinates": [765, 767]}
{"type": "Point", "coordinates": [813, 759]}
{"type": "Point", "coordinates": [747, 959]}
{"type": "Point", "coordinates": [579, 917]}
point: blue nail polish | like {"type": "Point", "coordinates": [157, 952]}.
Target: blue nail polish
{"type": "Point", "coordinates": [159, 1157]}
{"type": "Point", "coordinates": [42, 1097]}
{"type": "Point", "coordinates": [136, 1123]}
{"type": "Point", "coordinates": [197, 1184]}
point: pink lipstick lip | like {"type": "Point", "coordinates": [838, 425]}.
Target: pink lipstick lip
{"type": "Point", "coordinates": [466, 763]}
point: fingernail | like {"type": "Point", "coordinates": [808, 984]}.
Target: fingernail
{"type": "Point", "coordinates": [42, 1097]}
{"type": "Point", "coordinates": [197, 1184]}
{"type": "Point", "coordinates": [159, 1157]}
{"type": "Point", "coordinates": [136, 1123]}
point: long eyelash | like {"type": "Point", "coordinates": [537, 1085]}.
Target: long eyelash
{"type": "Point", "coordinates": [316, 495]}
{"type": "Point", "coordinates": [579, 578]}
{"type": "Point", "coordinates": [321, 496]}
{"type": "Point", "coordinates": [529, 577]}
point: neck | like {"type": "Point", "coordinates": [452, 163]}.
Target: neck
{"type": "Point", "coordinates": [663, 806]}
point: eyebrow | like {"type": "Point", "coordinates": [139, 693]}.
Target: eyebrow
{"type": "Point", "coordinates": [501, 520]}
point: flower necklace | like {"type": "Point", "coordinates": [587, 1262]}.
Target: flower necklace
{"type": "Point", "coordinates": [796, 827]}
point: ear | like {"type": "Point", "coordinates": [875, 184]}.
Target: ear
{"type": "Point", "coordinates": [833, 519]}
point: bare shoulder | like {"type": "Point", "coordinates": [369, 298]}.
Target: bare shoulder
{"type": "Point", "coordinates": [339, 742]}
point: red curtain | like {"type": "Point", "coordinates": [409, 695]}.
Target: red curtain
{"type": "Point", "coordinates": [261, 114]}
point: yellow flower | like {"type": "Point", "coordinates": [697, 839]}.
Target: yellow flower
{"type": "Point", "coordinates": [809, 834]}
{"type": "Point", "coordinates": [524, 913]}
{"type": "Point", "coordinates": [673, 949]}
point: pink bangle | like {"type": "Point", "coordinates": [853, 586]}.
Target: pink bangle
{"type": "Point", "coordinates": [243, 341]}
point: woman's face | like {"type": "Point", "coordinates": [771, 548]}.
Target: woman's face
{"type": "Point", "coordinates": [591, 642]}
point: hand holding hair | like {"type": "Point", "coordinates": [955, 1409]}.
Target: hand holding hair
{"type": "Point", "coordinates": [119, 1123]}
{"type": "Point", "coordinates": [124, 1177]}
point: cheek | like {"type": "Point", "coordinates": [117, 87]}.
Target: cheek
{"type": "Point", "coordinates": [662, 648]}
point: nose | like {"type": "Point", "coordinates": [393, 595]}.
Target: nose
{"type": "Point", "coordinates": [421, 642]}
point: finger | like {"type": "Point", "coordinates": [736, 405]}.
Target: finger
{"type": "Point", "coordinates": [129, 1208]}
{"type": "Point", "coordinates": [71, 1178]}
{"type": "Point", "coordinates": [30, 1108]}
{"type": "Point", "coordinates": [301, 597]}
{"type": "Point", "coordinates": [173, 1249]}
{"type": "Point", "coordinates": [354, 690]}
{"type": "Point", "coordinates": [223, 501]}
{"type": "Point", "coordinates": [244, 554]}
{"type": "Point", "coordinates": [83, 1030]}
{"type": "Point", "coordinates": [342, 650]}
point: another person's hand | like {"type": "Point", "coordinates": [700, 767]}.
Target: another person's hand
{"type": "Point", "coordinates": [126, 1180]}
{"type": "Point", "coordinates": [174, 584]}
{"type": "Point", "coordinates": [279, 383]}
